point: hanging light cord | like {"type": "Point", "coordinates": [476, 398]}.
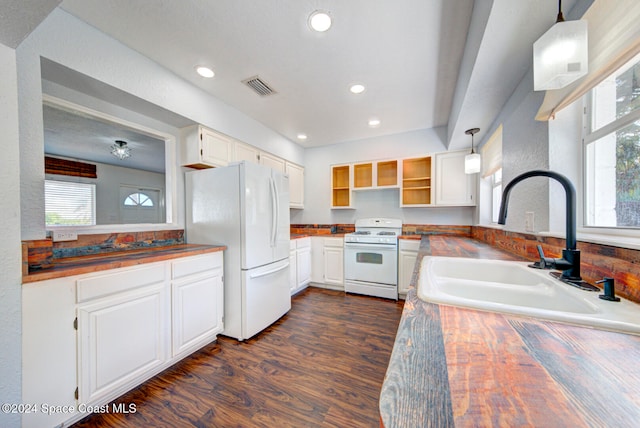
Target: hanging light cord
{"type": "Point", "coordinates": [560, 17]}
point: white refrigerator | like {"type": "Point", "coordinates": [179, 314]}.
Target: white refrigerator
{"type": "Point", "coordinates": [244, 206]}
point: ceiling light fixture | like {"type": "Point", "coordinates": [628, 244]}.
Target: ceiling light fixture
{"type": "Point", "coordinates": [320, 21]}
{"type": "Point", "coordinates": [374, 123]}
{"type": "Point", "coordinates": [302, 136]}
{"type": "Point", "coordinates": [205, 71]}
{"type": "Point", "coordinates": [472, 161]}
{"type": "Point", "coordinates": [357, 88]}
{"type": "Point", "coordinates": [121, 150]}
{"type": "Point", "coordinates": [560, 56]}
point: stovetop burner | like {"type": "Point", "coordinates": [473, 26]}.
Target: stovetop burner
{"type": "Point", "coordinates": [375, 231]}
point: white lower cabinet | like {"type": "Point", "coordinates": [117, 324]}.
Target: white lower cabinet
{"type": "Point", "coordinates": [303, 262]}
{"type": "Point", "coordinates": [196, 302]}
{"type": "Point", "coordinates": [300, 264]}
{"type": "Point", "coordinates": [87, 339]}
{"type": "Point", "coordinates": [293, 280]}
{"type": "Point", "coordinates": [121, 338]}
{"type": "Point", "coordinates": [407, 256]}
{"type": "Point", "coordinates": [49, 368]}
{"type": "Point", "coordinates": [327, 266]}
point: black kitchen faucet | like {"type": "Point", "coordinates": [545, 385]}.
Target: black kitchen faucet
{"type": "Point", "coordinates": [569, 264]}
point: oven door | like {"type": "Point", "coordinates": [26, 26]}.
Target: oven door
{"type": "Point", "coordinates": [374, 263]}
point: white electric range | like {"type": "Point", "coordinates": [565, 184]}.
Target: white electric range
{"type": "Point", "coordinates": [371, 257]}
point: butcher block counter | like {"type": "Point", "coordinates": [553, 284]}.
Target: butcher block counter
{"type": "Point", "coordinates": [69, 266]}
{"type": "Point", "coordinates": [466, 368]}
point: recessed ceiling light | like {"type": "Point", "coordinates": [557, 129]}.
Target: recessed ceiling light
{"type": "Point", "coordinates": [302, 136]}
{"type": "Point", "coordinates": [320, 21]}
{"type": "Point", "coordinates": [374, 122]}
{"type": "Point", "coordinates": [357, 88]}
{"type": "Point", "coordinates": [205, 71]}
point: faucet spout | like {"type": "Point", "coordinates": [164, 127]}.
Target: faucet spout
{"type": "Point", "coordinates": [569, 190]}
{"type": "Point", "coordinates": [570, 262]}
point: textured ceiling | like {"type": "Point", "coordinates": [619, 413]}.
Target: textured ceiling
{"type": "Point", "coordinates": [70, 134]}
{"type": "Point", "coordinates": [425, 63]}
{"type": "Point", "coordinates": [407, 53]}
{"type": "Point", "coordinates": [18, 18]}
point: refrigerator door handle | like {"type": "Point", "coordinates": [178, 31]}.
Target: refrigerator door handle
{"type": "Point", "coordinates": [276, 235]}
{"type": "Point", "coordinates": [274, 218]}
{"type": "Point", "coordinates": [269, 272]}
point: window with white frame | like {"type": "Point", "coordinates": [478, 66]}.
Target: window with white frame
{"type": "Point", "coordinates": [69, 204]}
{"type": "Point", "coordinates": [492, 169]}
{"type": "Point", "coordinates": [496, 194]}
{"type": "Point", "coordinates": [612, 150]}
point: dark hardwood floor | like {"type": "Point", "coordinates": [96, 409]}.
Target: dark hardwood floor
{"type": "Point", "coordinates": [320, 365]}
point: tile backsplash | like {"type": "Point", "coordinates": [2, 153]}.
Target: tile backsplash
{"type": "Point", "coordinates": [40, 254]}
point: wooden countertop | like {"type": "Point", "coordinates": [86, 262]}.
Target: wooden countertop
{"type": "Point", "coordinates": [459, 367]}
{"type": "Point", "coordinates": [93, 263]}
{"type": "Point", "coordinates": [298, 236]}
{"type": "Point", "coordinates": [412, 237]}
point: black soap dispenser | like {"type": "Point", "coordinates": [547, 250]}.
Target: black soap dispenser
{"type": "Point", "coordinates": [609, 290]}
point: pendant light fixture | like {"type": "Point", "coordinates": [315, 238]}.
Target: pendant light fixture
{"type": "Point", "coordinates": [472, 160]}
{"type": "Point", "coordinates": [560, 56]}
{"type": "Point", "coordinates": [120, 150]}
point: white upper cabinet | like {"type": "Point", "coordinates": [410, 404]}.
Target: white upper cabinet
{"type": "Point", "coordinates": [453, 186]}
{"type": "Point", "coordinates": [217, 148]}
{"type": "Point", "coordinates": [272, 161]}
{"type": "Point", "coordinates": [296, 185]}
{"type": "Point", "coordinates": [247, 153]}
{"type": "Point", "coordinates": [205, 148]}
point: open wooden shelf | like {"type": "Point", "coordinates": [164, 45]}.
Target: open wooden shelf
{"type": "Point", "coordinates": [363, 175]}
{"type": "Point", "coordinates": [416, 181]}
{"type": "Point", "coordinates": [340, 189]}
{"type": "Point", "coordinates": [387, 173]}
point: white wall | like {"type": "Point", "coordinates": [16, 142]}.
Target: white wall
{"type": "Point", "coordinates": [525, 146]}
{"type": "Point", "coordinates": [373, 203]}
{"type": "Point", "coordinates": [68, 41]}
{"type": "Point", "coordinates": [528, 144]}
{"type": "Point", "coordinates": [10, 248]}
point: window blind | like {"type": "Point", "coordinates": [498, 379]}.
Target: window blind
{"type": "Point", "coordinates": [492, 153]}
{"type": "Point", "coordinates": [69, 204]}
{"type": "Point", "coordinates": [69, 167]}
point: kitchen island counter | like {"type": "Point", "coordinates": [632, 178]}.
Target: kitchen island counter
{"type": "Point", "coordinates": [69, 266]}
{"type": "Point", "coordinates": [460, 367]}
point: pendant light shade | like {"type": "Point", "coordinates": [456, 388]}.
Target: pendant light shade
{"type": "Point", "coordinates": [560, 55]}
{"type": "Point", "coordinates": [472, 161]}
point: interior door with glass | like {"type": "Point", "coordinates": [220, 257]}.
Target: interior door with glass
{"type": "Point", "coordinates": [139, 205]}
